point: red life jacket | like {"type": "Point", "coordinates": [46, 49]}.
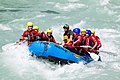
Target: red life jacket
{"type": "Point", "coordinates": [50, 39]}
{"type": "Point", "coordinates": [98, 41]}
{"type": "Point", "coordinates": [44, 36]}
{"type": "Point", "coordinates": [29, 35]}
{"type": "Point", "coordinates": [70, 44]}
{"type": "Point", "coordinates": [83, 41]}
{"type": "Point", "coordinates": [40, 36]}
{"type": "Point", "coordinates": [77, 40]}
{"type": "Point", "coordinates": [92, 42]}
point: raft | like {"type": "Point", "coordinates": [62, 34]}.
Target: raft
{"type": "Point", "coordinates": [52, 51]}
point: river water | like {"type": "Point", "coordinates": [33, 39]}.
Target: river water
{"type": "Point", "coordinates": [101, 15]}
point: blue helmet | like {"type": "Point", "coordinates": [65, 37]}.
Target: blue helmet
{"type": "Point", "coordinates": [76, 30]}
{"type": "Point", "coordinates": [88, 32]}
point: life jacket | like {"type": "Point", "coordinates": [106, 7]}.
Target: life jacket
{"type": "Point", "coordinates": [40, 36]}
{"type": "Point", "coordinates": [90, 41]}
{"type": "Point", "coordinates": [77, 40]}
{"type": "Point", "coordinates": [69, 33]}
{"type": "Point", "coordinates": [69, 45]}
{"type": "Point", "coordinates": [83, 41]}
{"type": "Point", "coordinates": [93, 42]}
{"type": "Point", "coordinates": [29, 35]}
{"type": "Point", "coordinates": [50, 39]}
{"type": "Point", "coordinates": [98, 40]}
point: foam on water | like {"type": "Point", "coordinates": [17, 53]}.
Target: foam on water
{"type": "Point", "coordinates": [81, 24]}
{"type": "Point", "coordinates": [5, 27]}
{"type": "Point", "coordinates": [26, 19]}
{"type": "Point", "coordinates": [69, 6]}
{"type": "Point", "coordinates": [73, 0]}
{"type": "Point", "coordinates": [24, 65]}
{"type": "Point", "coordinates": [118, 20]}
{"type": "Point", "coordinates": [104, 2]}
{"type": "Point", "coordinates": [61, 17]}
{"type": "Point", "coordinates": [110, 12]}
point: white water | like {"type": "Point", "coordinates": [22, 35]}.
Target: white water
{"type": "Point", "coordinates": [102, 15]}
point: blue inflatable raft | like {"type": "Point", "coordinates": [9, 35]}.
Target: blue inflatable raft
{"type": "Point", "coordinates": [55, 52]}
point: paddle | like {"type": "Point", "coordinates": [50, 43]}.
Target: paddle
{"type": "Point", "coordinates": [82, 46]}
{"type": "Point", "coordinates": [15, 45]}
{"type": "Point", "coordinates": [110, 53]}
{"type": "Point", "coordinates": [85, 46]}
{"type": "Point", "coordinates": [94, 56]}
{"type": "Point", "coordinates": [20, 42]}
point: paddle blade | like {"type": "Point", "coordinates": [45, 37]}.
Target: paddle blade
{"type": "Point", "coordinates": [94, 56]}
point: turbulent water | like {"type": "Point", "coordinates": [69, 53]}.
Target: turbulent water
{"type": "Point", "coordinates": [102, 15]}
